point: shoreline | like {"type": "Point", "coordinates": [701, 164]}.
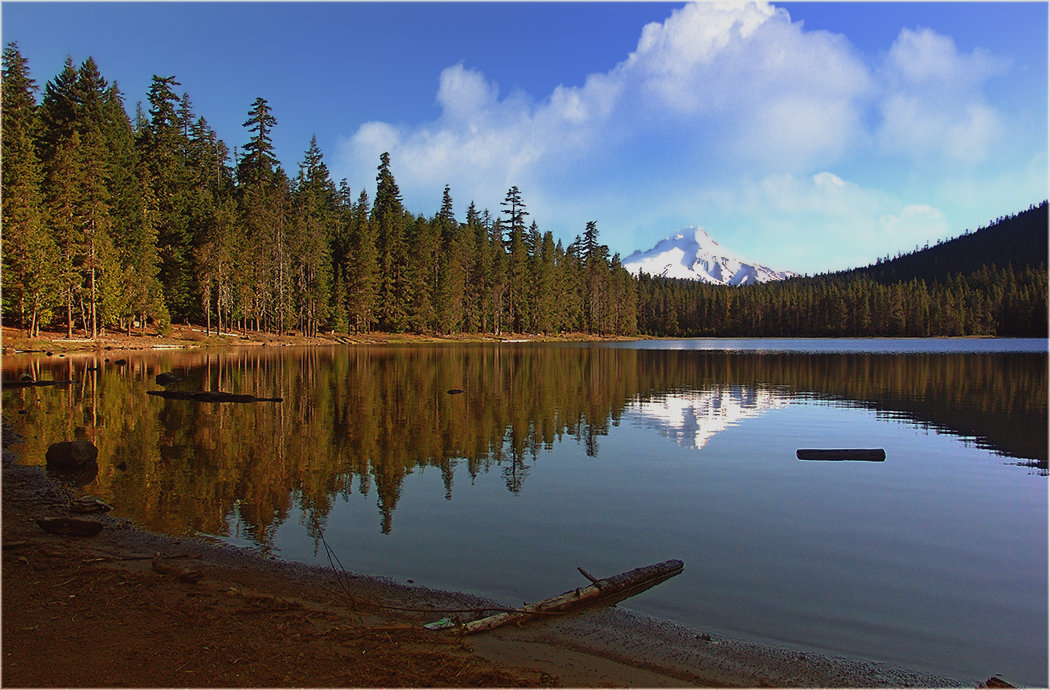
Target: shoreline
{"type": "Point", "coordinates": [79, 609]}
{"type": "Point", "coordinates": [16, 341]}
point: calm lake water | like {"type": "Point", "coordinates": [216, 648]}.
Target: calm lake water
{"type": "Point", "coordinates": [609, 457]}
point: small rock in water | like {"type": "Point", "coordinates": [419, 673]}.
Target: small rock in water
{"type": "Point", "coordinates": [454, 391]}
{"type": "Point", "coordinates": [26, 378]}
{"type": "Point", "coordinates": [71, 455]}
{"type": "Point", "coordinates": [167, 378]}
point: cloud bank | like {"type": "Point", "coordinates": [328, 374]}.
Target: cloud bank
{"type": "Point", "coordinates": [724, 112]}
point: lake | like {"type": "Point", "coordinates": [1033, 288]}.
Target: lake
{"type": "Point", "coordinates": [612, 456]}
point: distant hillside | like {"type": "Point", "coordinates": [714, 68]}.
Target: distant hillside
{"type": "Point", "coordinates": [990, 282]}
{"type": "Point", "coordinates": [1019, 241]}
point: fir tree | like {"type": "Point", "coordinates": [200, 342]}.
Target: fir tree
{"type": "Point", "coordinates": [30, 281]}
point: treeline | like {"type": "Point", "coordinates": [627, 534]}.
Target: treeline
{"type": "Point", "coordinates": [110, 222]}
{"type": "Point", "coordinates": [952, 289]}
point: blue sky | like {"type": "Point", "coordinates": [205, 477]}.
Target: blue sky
{"type": "Point", "coordinates": [807, 136]}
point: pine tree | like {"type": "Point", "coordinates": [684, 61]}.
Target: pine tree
{"type": "Point", "coordinates": [315, 206]}
{"type": "Point", "coordinates": [94, 217]}
{"type": "Point", "coordinates": [162, 146]}
{"type": "Point", "coordinates": [421, 269]}
{"type": "Point", "coordinates": [264, 202]}
{"type": "Point", "coordinates": [362, 269]}
{"type": "Point", "coordinates": [63, 190]}
{"type": "Point", "coordinates": [389, 218]}
{"type": "Point", "coordinates": [518, 260]}
{"type": "Point", "coordinates": [30, 281]}
{"type": "Point", "coordinates": [258, 159]}
{"type": "Point", "coordinates": [449, 283]}
{"type": "Point", "coordinates": [58, 112]}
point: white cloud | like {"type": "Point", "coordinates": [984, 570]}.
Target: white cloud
{"type": "Point", "coordinates": [717, 92]}
{"type": "Point", "coordinates": [776, 95]}
{"type": "Point", "coordinates": [782, 96]}
{"type": "Point", "coordinates": [820, 222]}
{"type": "Point", "coordinates": [934, 106]}
{"type": "Point", "coordinates": [922, 57]}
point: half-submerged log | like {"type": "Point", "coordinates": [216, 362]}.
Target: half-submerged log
{"type": "Point", "coordinates": [865, 454]}
{"type": "Point", "coordinates": [617, 587]}
{"type": "Point", "coordinates": [211, 396]}
{"type": "Point", "coordinates": [26, 384]}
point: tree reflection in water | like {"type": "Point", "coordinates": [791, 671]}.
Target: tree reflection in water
{"type": "Point", "coordinates": [361, 419]}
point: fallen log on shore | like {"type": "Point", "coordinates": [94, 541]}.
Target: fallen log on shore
{"type": "Point", "coordinates": [865, 454]}
{"type": "Point", "coordinates": [211, 396]}
{"type": "Point", "coordinates": [617, 587]}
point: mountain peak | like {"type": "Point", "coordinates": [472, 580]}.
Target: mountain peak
{"type": "Point", "coordinates": [693, 254]}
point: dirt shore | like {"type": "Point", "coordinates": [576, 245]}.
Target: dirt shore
{"type": "Point", "coordinates": [194, 336]}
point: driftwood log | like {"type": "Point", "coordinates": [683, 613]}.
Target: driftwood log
{"type": "Point", "coordinates": [27, 384]}
{"type": "Point", "coordinates": [211, 396]}
{"type": "Point", "coordinates": [617, 587]}
{"type": "Point", "coordinates": [867, 454]}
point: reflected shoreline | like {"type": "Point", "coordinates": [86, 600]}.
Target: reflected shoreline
{"type": "Point", "coordinates": [360, 420]}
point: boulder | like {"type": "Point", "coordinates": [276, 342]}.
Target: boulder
{"type": "Point", "coordinates": [67, 526]}
{"type": "Point", "coordinates": [167, 378]}
{"type": "Point", "coordinates": [71, 455]}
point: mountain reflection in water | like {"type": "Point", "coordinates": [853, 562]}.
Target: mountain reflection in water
{"type": "Point", "coordinates": [361, 419]}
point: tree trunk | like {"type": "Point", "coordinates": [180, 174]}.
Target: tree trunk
{"type": "Point", "coordinates": [619, 586]}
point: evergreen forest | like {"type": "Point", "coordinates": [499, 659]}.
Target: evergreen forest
{"type": "Point", "coordinates": [115, 222]}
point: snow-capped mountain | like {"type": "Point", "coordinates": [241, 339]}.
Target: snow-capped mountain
{"type": "Point", "coordinates": [694, 255]}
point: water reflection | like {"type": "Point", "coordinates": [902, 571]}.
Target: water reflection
{"type": "Point", "coordinates": [693, 419]}
{"type": "Point", "coordinates": [360, 420]}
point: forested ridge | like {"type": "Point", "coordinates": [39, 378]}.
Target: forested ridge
{"type": "Point", "coordinates": [989, 282]}
{"type": "Point", "coordinates": [113, 222]}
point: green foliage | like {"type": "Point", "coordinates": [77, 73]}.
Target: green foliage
{"type": "Point", "coordinates": [31, 281]}
{"type": "Point", "coordinates": [107, 224]}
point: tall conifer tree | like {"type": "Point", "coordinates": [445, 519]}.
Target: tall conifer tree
{"type": "Point", "coordinates": [30, 281]}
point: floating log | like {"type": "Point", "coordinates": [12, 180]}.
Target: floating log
{"type": "Point", "coordinates": [865, 454]}
{"type": "Point", "coordinates": [618, 586]}
{"type": "Point", "coordinates": [211, 396]}
{"type": "Point", "coordinates": [26, 384]}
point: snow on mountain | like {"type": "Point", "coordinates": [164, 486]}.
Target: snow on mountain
{"type": "Point", "coordinates": [692, 254]}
